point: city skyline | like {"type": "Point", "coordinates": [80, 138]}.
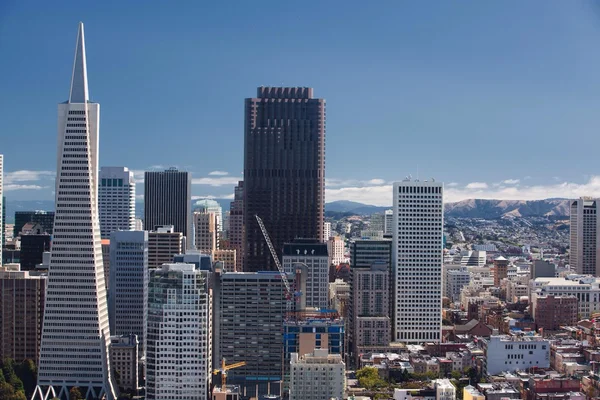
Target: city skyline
{"type": "Point", "coordinates": [469, 106]}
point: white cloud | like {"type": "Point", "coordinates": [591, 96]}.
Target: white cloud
{"type": "Point", "coordinates": [511, 181]}
{"type": "Point", "coordinates": [26, 176]}
{"type": "Point", "coordinates": [381, 195]}
{"type": "Point", "coordinates": [13, 186]}
{"type": "Point", "coordinates": [334, 182]}
{"type": "Point", "coordinates": [138, 175]}
{"type": "Point", "coordinates": [218, 173]}
{"type": "Point", "coordinates": [477, 185]}
{"type": "Point", "coordinates": [216, 181]}
{"type": "Point", "coordinates": [452, 184]}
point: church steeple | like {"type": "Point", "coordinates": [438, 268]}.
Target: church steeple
{"type": "Point", "coordinates": [79, 84]}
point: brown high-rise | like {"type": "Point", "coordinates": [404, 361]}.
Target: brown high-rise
{"type": "Point", "coordinates": [284, 170]}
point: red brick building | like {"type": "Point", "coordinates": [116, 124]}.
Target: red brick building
{"type": "Point", "coordinates": [552, 312]}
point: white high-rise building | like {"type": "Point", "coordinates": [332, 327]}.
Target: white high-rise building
{"type": "Point", "coordinates": [336, 249]}
{"type": "Point", "coordinates": [75, 334]}
{"type": "Point", "coordinates": [388, 222]}
{"type": "Point", "coordinates": [326, 231]}
{"type": "Point", "coordinates": [417, 258]}
{"type": "Point", "coordinates": [128, 291]}
{"type": "Point", "coordinates": [179, 356]}
{"type": "Point", "coordinates": [584, 252]}
{"type": "Point", "coordinates": [116, 200]}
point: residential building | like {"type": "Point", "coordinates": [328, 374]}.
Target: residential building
{"type": "Point", "coordinates": [205, 226]}
{"type": "Point", "coordinates": [236, 225]}
{"type": "Point", "coordinates": [128, 292]}
{"type": "Point", "coordinates": [500, 270]}
{"type": "Point", "coordinates": [168, 201]}
{"type": "Point", "coordinates": [44, 218]}
{"type": "Point", "coordinates": [163, 244]}
{"type": "Point", "coordinates": [585, 288]}
{"type": "Point", "coordinates": [336, 249]}
{"type": "Point", "coordinates": [211, 206]}
{"type": "Point", "coordinates": [317, 376]}
{"type": "Point", "coordinates": [417, 260]}
{"type": "Point", "coordinates": [313, 254]}
{"type": "Point", "coordinates": [76, 274]}
{"type": "Point", "coordinates": [584, 240]}
{"type": "Point", "coordinates": [33, 245]}
{"type": "Point", "coordinates": [444, 389]}
{"type": "Point", "coordinates": [388, 222]}
{"type": "Point", "coordinates": [308, 331]}
{"type": "Point", "coordinates": [226, 257]}
{"type": "Point", "coordinates": [511, 353]}
{"type": "Point", "coordinates": [124, 358]}
{"type": "Point", "coordinates": [550, 313]}
{"type": "Point", "coordinates": [553, 388]}
{"type": "Point", "coordinates": [22, 301]}
{"type": "Point", "coordinates": [455, 280]}
{"type": "Point", "coordinates": [179, 343]}
{"type": "Point", "coordinates": [369, 322]}
{"type": "Point", "coordinates": [542, 269]}
{"type": "Point", "coordinates": [116, 200]}
{"type": "Point", "coordinates": [471, 393]}
{"type": "Point", "coordinates": [339, 297]}
{"type": "Point", "coordinates": [326, 231]}
{"type": "Point", "coordinates": [249, 308]}
{"type": "Point", "coordinates": [284, 170]}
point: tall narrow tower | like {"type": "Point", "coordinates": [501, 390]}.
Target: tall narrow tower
{"type": "Point", "coordinates": [75, 334]}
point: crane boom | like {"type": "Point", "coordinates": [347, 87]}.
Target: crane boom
{"type": "Point", "coordinates": [223, 370]}
{"type": "Point", "coordinates": [274, 255]}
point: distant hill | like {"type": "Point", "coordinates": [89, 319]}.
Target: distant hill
{"type": "Point", "coordinates": [353, 207]}
{"type": "Point", "coordinates": [472, 208]}
{"type": "Point", "coordinates": [490, 209]}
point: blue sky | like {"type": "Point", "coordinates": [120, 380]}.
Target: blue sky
{"type": "Point", "coordinates": [489, 97]}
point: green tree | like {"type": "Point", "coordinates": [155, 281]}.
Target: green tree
{"type": "Point", "coordinates": [27, 373]}
{"type": "Point", "coordinates": [368, 377]}
{"type": "Point", "coordinates": [456, 375]}
{"type": "Point", "coordinates": [75, 393]}
{"type": "Point", "coordinates": [6, 390]}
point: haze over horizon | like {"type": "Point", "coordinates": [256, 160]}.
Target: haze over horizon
{"type": "Point", "coordinates": [487, 114]}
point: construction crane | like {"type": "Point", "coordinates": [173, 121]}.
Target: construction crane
{"type": "Point", "coordinates": [223, 370]}
{"type": "Point", "coordinates": [290, 293]}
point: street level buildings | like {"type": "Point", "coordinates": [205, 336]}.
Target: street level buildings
{"type": "Point", "coordinates": [128, 291]}
{"type": "Point", "coordinates": [124, 357]}
{"type": "Point", "coordinates": [75, 335]}
{"type": "Point", "coordinates": [551, 313]}
{"type": "Point", "coordinates": [584, 247]}
{"type": "Point", "coordinates": [417, 260]}
{"type": "Point", "coordinates": [284, 170]}
{"type": "Point", "coordinates": [511, 353]}
{"type": "Point", "coordinates": [168, 201]}
{"type": "Point", "coordinates": [317, 376]}
{"type": "Point", "coordinates": [179, 343]}
{"type": "Point", "coordinates": [22, 301]}
{"type": "Point", "coordinates": [116, 200]}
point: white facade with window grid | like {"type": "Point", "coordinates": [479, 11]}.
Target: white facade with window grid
{"type": "Point", "coordinates": [116, 200]}
{"type": "Point", "coordinates": [417, 259]}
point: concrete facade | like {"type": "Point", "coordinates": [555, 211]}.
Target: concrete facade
{"type": "Point", "coordinates": [317, 376]}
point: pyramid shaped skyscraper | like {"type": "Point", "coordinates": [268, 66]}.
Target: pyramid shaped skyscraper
{"type": "Point", "coordinates": [75, 335]}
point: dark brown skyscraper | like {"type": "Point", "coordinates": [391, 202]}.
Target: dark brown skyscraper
{"type": "Point", "coordinates": [284, 170]}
